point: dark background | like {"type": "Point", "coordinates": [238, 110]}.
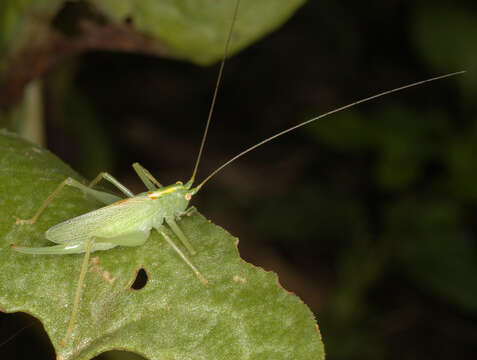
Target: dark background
{"type": "Point", "coordinates": [368, 216]}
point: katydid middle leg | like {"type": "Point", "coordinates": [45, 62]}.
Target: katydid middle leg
{"type": "Point", "coordinates": [108, 177]}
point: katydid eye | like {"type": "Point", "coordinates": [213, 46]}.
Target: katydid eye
{"type": "Point", "coordinates": [188, 196]}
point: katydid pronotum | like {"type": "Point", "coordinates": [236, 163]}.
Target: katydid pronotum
{"type": "Point", "coordinates": [128, 221]}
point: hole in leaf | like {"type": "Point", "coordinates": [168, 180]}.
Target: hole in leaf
{"type": "Point", "coordinates": [119, 355]}
{"type": "Point", "coordinates": [141, 280]}
{"type": "Point", "coordinates": [18, 329]}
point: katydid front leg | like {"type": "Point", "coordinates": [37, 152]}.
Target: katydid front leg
{"type": "Point", "coordinates": [146, 177]}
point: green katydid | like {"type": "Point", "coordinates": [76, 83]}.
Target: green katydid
{"type": "Point", "coordinates": [129, 221]}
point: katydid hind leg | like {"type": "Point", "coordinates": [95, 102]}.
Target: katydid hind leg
{"type": "Point", "coordinates": [77, 297]}
{"type": "Point", "coordinates": [136, 238]}
{"type": "Point", "coordinates": [146, 177]}
{"type": "Point", "coordinates": [130, 239]}
{"type": "Point", "coordinates": [108, 177]}
{"type": "Point", "coordinates": [182, 237]}
{"type": "Point", "coordinates": [201, 277]}
{"type": "Point", "coordinates": [77, 247]}
{"type": "Point", "coordinates": [101, 196]}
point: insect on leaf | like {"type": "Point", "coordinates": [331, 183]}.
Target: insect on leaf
{"type": "Point", "coordinates": [243, 313]}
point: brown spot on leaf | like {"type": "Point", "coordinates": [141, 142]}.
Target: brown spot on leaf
{"type": "Point", "coordinates": [239, 279]}
{"type": "Point", "coordinates": [97, 269]}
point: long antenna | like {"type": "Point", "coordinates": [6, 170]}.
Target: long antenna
{"type": "Point", "coordinates": [321, 117]}
{"type": "Point", "coordinates": [214, 97]}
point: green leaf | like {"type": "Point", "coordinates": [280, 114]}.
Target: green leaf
{"type": "Point", "coordinates": [197, 30]}
{"type": "Point", "coordinates": [242, 314]}
{"type": "Point", "coordinates": [190, 30]}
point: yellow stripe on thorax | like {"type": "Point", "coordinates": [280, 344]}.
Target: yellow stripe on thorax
{"type": "Point", "coordinates": [158, 193]}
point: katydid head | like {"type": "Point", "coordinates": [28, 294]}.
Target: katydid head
{"type": "Point", "coordinates": [172, 199]}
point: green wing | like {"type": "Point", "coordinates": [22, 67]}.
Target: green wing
{"type": "Point", "coordinates": [128, 215]}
